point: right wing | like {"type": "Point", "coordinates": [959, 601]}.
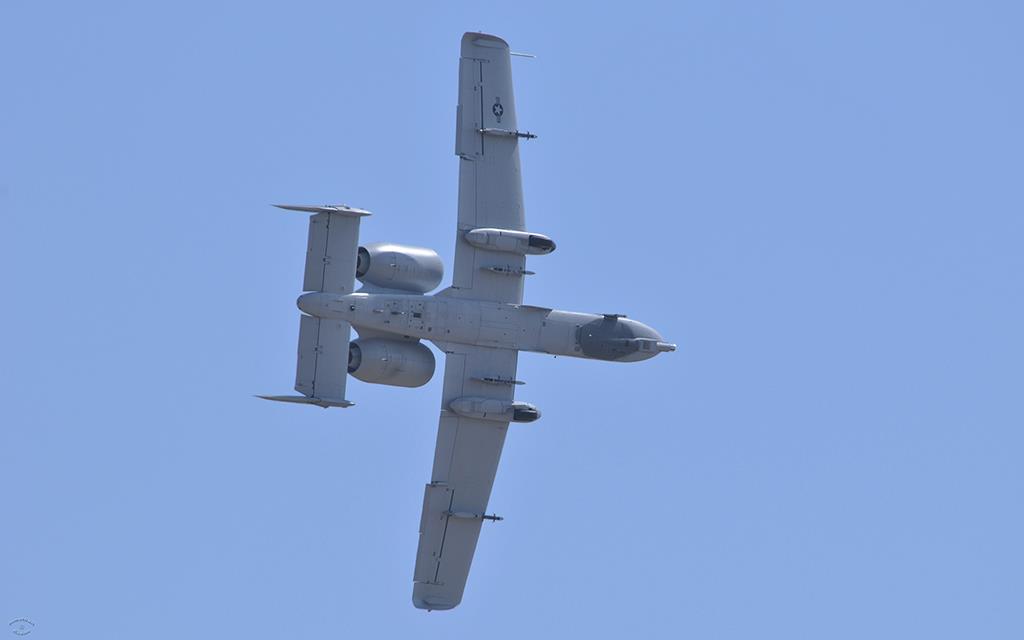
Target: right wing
{"type": "Point", "coordinates": [490, 184]}
{"type": "Point", "coordinates": [465, 462]}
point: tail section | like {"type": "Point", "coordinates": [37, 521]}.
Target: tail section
{"type": "Point", "coordinates": [331, 254]}
{"type": "Point", "coordinates": [332, 248]}
{"type": "Point", "coordinates": [322, 368]}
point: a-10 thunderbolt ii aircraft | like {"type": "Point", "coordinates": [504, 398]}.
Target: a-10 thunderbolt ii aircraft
{"type": "Point", "coordinates": [480, 322]}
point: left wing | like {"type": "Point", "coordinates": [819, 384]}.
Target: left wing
{"type": "Point", "coordinates": [465, 462]}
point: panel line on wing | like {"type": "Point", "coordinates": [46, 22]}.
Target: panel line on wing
{"type": "Point", "coordinates": [440, 548]}
{"type": "Point", "coordinates": [461, 377]}
{"type": "Point", "coordinates": [316, 355]}
{"type": "Point", "coordinates": [327, 247]}
{"type": "Point", "coordinates": [323, 279]}
{"type": "Point", "coordinates": [480, 94]}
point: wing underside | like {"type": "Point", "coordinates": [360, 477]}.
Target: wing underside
{"type": "Point", "coordinates": [468, 449]}
{"type": "Point", "coordinates": [465, 462]}
{"type": "Point", "coordinates": [490, 183]}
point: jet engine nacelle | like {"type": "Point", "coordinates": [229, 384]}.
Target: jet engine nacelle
{"type": "Point", "coordinates": [395, 362]}
{"type": "Point", "coordinates": [398, 266]}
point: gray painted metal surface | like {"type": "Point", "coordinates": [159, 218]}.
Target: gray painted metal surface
{"type": "Point", "coordinates": [479, 322]}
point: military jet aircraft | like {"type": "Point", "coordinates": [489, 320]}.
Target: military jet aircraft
{"type": "Point", "coordinates": [480, 322]}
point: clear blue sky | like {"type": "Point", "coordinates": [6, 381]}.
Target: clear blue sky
{"type": "Point", "coordinates": [821, 203]}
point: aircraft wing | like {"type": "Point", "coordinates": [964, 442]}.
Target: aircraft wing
{"type": "Point", "coordinates": [490, 184]}
{"type": "Point", "coordinates": [465, 461]}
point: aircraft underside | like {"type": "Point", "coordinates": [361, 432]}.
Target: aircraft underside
{"type": "Point", "coordinates": [480, 322]}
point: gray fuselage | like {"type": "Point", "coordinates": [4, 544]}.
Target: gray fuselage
{"type": "Point", "coordinates": [442, 318]}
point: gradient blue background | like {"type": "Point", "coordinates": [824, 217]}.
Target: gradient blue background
{"type": "Point", "coordinates": [820, 202]}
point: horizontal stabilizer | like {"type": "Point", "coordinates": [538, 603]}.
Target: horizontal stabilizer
{"type": "Point", "coordinates": [320, 402]}
{"type": "Point", "coordinates": [322, 363]}
{"type": "Point", "coordinates": [322, 360]}
{"type": "Point", "coordinates": [343, 209]}
{"type": "Point", "coordinates": [332, 246]}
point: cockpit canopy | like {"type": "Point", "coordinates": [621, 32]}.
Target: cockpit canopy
{"type": "Point", "coordinates": [615, 337]}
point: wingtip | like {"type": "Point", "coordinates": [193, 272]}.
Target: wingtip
{"type": "Point", "coordinates": [433, 605]}
{"type": "Point", "coordinates": [482, 35]}
{"type": "Point", "coordinates": [480, 39]}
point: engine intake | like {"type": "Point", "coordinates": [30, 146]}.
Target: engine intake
{"type": "Point", "coordinates": [397, 266]}
{"type": "Point", "coordinates": [393, 362]}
